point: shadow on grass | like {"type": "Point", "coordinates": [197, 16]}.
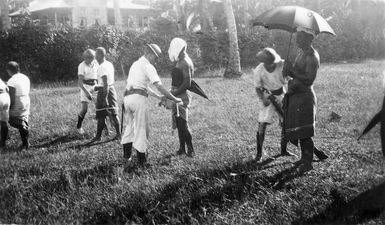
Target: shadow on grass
{"type": "Point", "coordinates": [194, 194]}
{"type": "Point", "coordinates": [366, 206]}
{"type": "Point", "coordinates": [58, 140]}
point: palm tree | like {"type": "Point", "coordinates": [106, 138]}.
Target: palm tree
{"type": "Point", "coordinates": [179, 7]}
{"type": "Point", "coordinates": [118, 17]}
{"type": "Point", "coordinates": [233, 69]}
{"type": "Point", "coordinates": [205, 17]}
{"type": "Point", "coordinates": [4, 12]}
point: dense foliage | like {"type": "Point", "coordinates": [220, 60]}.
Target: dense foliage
{"type": "Point", "coordinates": [47, 54]}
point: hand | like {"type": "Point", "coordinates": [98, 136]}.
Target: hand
{"type": "Point", "coordinates": [178, 100]}
{"type": "Point", "coordinates": [266, 102]}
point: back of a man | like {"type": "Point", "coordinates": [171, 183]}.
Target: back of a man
{"type": "Point", "coordinates": [21, 106]}
{"type": "Point", "coordinates": [106, 69]}
{"type": "Point", "coordinates": [19, 87]}
{"type": "Point", "coordinates": [142, 74]}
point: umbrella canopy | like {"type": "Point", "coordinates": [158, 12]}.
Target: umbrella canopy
{"type": "Point", "coordinates": [197, 90]}
{"type": "Point", "coordinates": [376, 119]}
{"type": "Point", "coordinates": [289, 18]}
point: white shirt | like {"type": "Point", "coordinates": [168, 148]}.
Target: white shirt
{"type": "Point", "coordinates": [271, 81]}
{"type": "Point", "coordinates": [383, 78]}
{"type": "Point", "coordinates": [21, 84]}
{"type": "Point", "coordinates": [141, 74]}
{"type": "Point", "coordinates": [89, 72]}
{"type": "Point", "coordinates": [3, 86]}
{"type": "Point", "coordinates": [106, 69]}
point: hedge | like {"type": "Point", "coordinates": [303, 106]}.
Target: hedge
{"type": "Point", "coordinates": [47, 54]}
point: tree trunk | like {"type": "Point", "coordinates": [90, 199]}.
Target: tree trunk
{"type": "Point", "coordinates": [118, 17]}
{"type": "Point", "coordinates": [246, 15]}
{"type": "Point", "coordinates": [233, 69]}
{"type": "Point", "coordinates": [180, 14]}
{"type": "Point", "coordinates": [206, 20]}
{"type": "Point", "coordinates": [4, 13]}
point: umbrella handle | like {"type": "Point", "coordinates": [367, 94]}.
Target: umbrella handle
{"type": "Point", "coordinates": [288, 51]}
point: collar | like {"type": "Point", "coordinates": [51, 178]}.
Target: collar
{"type": "Point", "coordinates": [144, 59]}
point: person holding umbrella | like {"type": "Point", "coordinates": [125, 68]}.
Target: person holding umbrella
{"type": "Point", "coordinates": [300, 99]}
{"type": "Point", "coordinates": [142, 73]}
{"type": "Point", "coordinates": [270, 84]}
{"type": "Point", "coordinates": [181, 80]}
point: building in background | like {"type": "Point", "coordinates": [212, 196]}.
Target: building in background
{"type": "Point", "coordinates": [86, 13]}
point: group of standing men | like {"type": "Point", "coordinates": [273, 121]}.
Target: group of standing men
{"type": "Point", "coordinates": [98, 76]}
{"type": "Point", "coordinates": [296, 103]}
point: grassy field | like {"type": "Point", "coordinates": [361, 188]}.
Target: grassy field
{"type": "Point", "coordinates": [62, 181]}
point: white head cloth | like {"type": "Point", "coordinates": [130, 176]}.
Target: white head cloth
{"type": "Point", "coordinates": [176, 45]}
{"type": "Point", "coordinates": [306, 30]}
{"type": "Point", "coordinates": [383, 78]}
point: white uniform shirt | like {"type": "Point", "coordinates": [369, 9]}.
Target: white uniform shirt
{"type": "Point", "coordinates": [141, 74]}
{"type": "Point", "coordinates": [21, 105]}
{"type": "Point", "coordinates": [106, 69]}
{"type": "Point", "coordinates": [3, 86]}
{"type": "Point", "coordinates": [89, 72]}
{"type": "Point", "coordinates": [21, 84]}
{"type": "Point", "coordinates": [271, 81]}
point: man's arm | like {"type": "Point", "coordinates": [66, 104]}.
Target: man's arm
{"type": "Point", "coordinates": [81, 85]}
{"type": "Point", "coordinates": [12, 95]}
{"type": "Point", "coordinates": [166, 93]}
{"type": "Point", "coordinates": [308, 76]}
{"type": "Point", "coordinates": [153, 93]}
{"type": "Point", "coordinates": [186, 73]}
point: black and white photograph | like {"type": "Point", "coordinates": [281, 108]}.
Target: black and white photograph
{"type": "Point", "coordinates": [192, 112]}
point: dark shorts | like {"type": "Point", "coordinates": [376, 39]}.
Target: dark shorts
{"type": "Point", "coordinates": [107, 106]}
{"type": "Point", "coordinates": [19, 122]}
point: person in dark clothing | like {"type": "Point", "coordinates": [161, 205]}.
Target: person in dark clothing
{"type": "Point", "coordinates": [300, 100]}
{"type": "Point", "coordinates": [181, 81]}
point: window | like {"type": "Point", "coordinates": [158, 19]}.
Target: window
{"type": "Point", "coordinates": [97, 21]}
{"type": "Point", "coordinates": [131, 22]}
{"type": "Point", "coordinates": [83, 21]}
{"type": "Point", "coordinates": [82, 11]}
{"type": "Point", "coordinates": [97, 16]}
{"type": "Point", "coordinates": [96, 12]}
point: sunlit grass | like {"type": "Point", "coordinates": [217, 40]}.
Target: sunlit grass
{"type": "Point", "coordinates": [62, 181]}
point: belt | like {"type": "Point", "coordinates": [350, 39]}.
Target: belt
{"type": "Point", "coordinates": [89, 82]}
{"type": "Point", "coordinates": [136, 91]}
{"type": "Point", "coordinates": [277, 92]}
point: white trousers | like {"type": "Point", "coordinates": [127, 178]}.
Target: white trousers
{"type": "Point", "coordinates": [136, 119]}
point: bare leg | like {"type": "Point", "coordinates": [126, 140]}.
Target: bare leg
{"type": "Point", "coordinates": [260, 139]}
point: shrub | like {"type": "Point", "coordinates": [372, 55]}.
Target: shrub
{"type": "Point", "coordinates": [47, 54]}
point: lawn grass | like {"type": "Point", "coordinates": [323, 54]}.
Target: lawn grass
{"type": "Point", "coordinates": [62, 181]}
